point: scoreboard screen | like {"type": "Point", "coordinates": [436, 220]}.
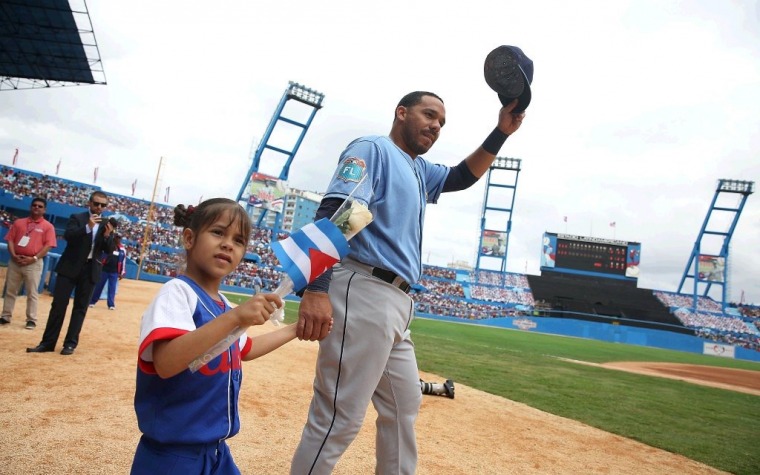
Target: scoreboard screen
{"type": "Point", "coordinates": [592, 256]}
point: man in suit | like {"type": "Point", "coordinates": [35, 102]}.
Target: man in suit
{"type": "Point", "coordinates": [87, 235]}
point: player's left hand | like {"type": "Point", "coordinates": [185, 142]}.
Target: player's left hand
{"type": "Point", "coordinates": [509, 122]}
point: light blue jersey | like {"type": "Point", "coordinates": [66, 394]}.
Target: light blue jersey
{"type": "Point", "coordinates": [396, 190]}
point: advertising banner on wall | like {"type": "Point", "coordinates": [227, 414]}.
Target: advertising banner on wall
{"type": "Point", "coordinates": [716, 349]}
{"type": "Point", "coordinates": [267, 192]}
{"type": "Point", "coordinates": [711, 268]}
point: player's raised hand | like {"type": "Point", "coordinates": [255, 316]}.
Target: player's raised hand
{"type": "Point", "coordinates": [509, 121]}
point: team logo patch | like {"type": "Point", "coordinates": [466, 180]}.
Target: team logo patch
{"type": "Point", "coordinates": [352, 169]}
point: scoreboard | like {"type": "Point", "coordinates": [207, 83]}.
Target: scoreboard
{"type": "Point", "coordinates": [590, 256]}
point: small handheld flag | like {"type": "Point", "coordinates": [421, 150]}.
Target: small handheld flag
{"type": "Point", "coordinates": [310, 251]}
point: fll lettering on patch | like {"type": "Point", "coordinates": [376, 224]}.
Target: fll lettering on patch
{"type": "Point", "coordinates": [352, 169]}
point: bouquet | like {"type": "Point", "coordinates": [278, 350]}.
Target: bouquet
{"type": "Point", "coordinates": [350, 218]}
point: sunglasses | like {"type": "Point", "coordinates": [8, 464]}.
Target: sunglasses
{"type": "Point", "coordinates": [99, 205]}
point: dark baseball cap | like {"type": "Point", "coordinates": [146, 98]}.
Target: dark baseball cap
{"type": "Point", "coordinates": [509, 72]}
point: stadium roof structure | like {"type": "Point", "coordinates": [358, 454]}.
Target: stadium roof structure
{"type": "Point", "coordinates": [47, 43]}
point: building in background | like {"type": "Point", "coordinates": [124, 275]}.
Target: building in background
{"type": "Point", "coordinates": [460, 264]}
{"type": "Point", "coordinates": [299, 209]}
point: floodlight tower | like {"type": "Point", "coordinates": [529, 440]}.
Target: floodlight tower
{"type": "Point", "coordinates": [707, 265]}
{"type": "Point", "coordinates": [496, 216]}
{"type": "Point", "coordinates": [303, 95]}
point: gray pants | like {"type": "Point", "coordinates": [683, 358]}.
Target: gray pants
{"type": "Point", "coordinates": [368, 356]}
{"type": "Point", "coordinates": [15, 276]}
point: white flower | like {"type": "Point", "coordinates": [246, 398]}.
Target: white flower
{"type": "Point", "coordinates": [359, 218]}
{"type": "Point", "coordinates": [351, 218]}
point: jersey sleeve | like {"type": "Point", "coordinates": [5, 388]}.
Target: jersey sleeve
{"type": "Point", "coordinates": [12, 232]}
{"type": "Point", "coordinates": [245, 343]}
{"type": "Point", "coordinates": [361, 158]}
{"type": "Point", "coordinates": [169, 316]}
{"type": "Point", "coordinates": [435, 177]}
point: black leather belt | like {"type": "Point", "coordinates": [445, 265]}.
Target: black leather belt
{"type": "Point", "coordinates": [391, 278]}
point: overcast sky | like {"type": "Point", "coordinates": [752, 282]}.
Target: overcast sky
{"type": "Point", "coordinates": [639, 107]}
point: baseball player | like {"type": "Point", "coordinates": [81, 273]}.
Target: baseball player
{"type": "Point", "coordinates": [369, 355]}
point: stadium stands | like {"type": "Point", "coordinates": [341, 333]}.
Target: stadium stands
{"type": "Point", "coordinates": [442, 291]}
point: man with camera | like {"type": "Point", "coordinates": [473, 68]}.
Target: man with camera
{"type": "Point", "coordinates": [87, 236]}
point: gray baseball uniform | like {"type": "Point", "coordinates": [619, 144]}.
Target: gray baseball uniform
{"type": "Point", "coordinates": [368, 355]}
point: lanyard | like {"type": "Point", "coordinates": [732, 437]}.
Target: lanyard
{"type": "Point", "coordinates": [30, 229]}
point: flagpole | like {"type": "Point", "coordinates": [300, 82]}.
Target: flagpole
{"type": "Point", "coordinates": [151, 210]}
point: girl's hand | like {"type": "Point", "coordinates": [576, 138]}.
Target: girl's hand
{"type": "Point", "coordinates": [257, 309]}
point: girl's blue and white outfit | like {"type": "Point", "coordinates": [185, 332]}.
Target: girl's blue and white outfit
{"type": "Point", "coordinates": [185, 419]}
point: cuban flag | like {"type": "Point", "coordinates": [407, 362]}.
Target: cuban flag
{"type": "Point", "coordinates": [310, 251]}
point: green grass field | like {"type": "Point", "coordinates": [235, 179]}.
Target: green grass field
{"type": "Point", "coordinates": [720, 428]}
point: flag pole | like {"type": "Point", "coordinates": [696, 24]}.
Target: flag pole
{"type": "Point", "coordinates": [151, 211]}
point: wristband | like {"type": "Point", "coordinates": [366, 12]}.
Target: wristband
{"type": "Point", "coordinates": [322, 283]}
{"type": "Point", "coordinates": [494, 141]}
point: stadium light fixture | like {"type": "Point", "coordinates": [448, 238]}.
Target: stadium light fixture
{"type": "Point", "coordinates": [505, 163]}
{"type": "Point", "coordinates": [304, 94]}
{"type": "Point", "coordinates": [736, 186]}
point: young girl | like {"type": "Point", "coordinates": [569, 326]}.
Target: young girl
{"type": "Point", "coordinates": [185, 417]}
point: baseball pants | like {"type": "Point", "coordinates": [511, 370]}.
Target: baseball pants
{"type": "Point", "coordinates": [153, 458]}
{"type": "Point", "coordinates": [368, 356]}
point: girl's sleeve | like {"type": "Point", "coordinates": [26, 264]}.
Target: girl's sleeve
{"type": "Point", "coordinates": [169, 316]}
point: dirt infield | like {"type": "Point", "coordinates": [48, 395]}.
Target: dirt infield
{"type": "Point", "coordinates": [74, 414]}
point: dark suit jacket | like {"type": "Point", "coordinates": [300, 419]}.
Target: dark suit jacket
{"type": "Point", "coordinates": [78, 243]}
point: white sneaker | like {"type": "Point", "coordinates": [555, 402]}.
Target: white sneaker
{"type": "Point", "coordinates": [92, 305]}
{"type": "Point", "coordinates": [111, 308]}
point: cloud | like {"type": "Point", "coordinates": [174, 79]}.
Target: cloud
{"type": "Point", "coordinates": [639, 108]}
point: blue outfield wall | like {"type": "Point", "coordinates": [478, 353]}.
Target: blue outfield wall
{"type": "Point", "coordinates": [604, 332]}
{"type": "Point", "coordinates": [556, 326]}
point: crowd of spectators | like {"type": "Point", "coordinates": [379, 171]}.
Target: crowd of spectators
{"type": "Point", "coordinates": [710, 322]}
{"type": "Point", "coordinates": [492, 294]}
{"type": "Point", "coordinates": [437, 304]}
{"type": "Point", "coordinates": [723, 323]}
{"type": "Point", "coordinates": [750, 311]}
{"type": "Point", "coordinates": [506, 279]}
{"type": "Point", "coordinates": [444, 295]}
{"type": "Point", "coordinates": [163, 256]}
{"type": "Point", "coordinates": [439, 272]}
{"type": "Point", "coordinates": [672, 301]}
{"type": "Point", "coordinates": [442, 287]}
{"type": "Point", "coordinates": [6, 218]}
{"type": "Point", "coordinates": [23, 184]}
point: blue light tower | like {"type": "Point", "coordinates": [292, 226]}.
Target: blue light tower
{"type": "Point", "coordinates": [303, 95]}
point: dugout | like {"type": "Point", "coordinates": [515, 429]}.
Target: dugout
{"type": "Point", "coordinates": [601, 299]}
